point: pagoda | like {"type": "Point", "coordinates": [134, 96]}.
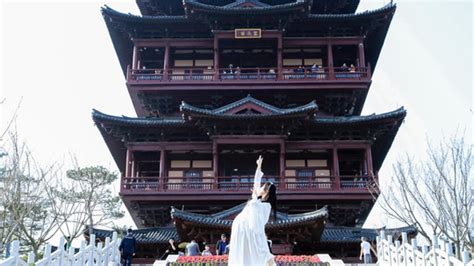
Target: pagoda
{"type": "Point", "coordinates": [215, 83]}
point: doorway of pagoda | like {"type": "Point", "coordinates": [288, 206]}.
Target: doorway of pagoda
{"type": "Point", "coordinates": [237, 164]}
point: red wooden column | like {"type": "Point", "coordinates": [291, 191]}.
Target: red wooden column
{"type": "Point", "coordinates": [166, 62]}
{"type": "Point", "coordinates": [162, 168]}
{"type": "Point", "coordinates": [335, 169]}
{"type": "Point", "coordinates": [128, 163]}
{"type": "Point", "coordinates": [216, 57]}
{"type": "Point", "coordinates": [280, 57]}
{"type": "Point", "coordinates": [368, 159]}
{"type": "Point", "coordinates": [135, 57]}
{"type": "Point", "coordinates": [330, 62]}
{"type": "Point", "coordinates": [282, 164]}
{"type": "Point", "coordinates": [361, 55]}
{"type": "Point", "coordinates": [215, 162]}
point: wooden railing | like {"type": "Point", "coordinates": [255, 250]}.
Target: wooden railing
{"type": "Point", "coordinates": [102, 254]}
{"type": "Point", "coordinates": [390, 252]}
{"type": "Point", "coordinates": [245, 183]}
{"type": "Point", "coordinates": [247, 74]}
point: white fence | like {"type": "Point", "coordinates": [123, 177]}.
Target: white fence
{"type": "Point", "coordinates": [90, 255]}
{"type": "Point", "coordinates": [441, 253]}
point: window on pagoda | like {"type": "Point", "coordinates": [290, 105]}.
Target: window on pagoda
{"type": "Point", "coordinates": [345, 55]}
{"type": "Point", "coordinates": [304, 56]}
{"type": "Point", "coordinates": [305, 166]}
{"type": "Point", "coordinates": [248, 54]}
{"type": "Point", "coordinates": [146, 164]}
{"type": "Point", "coordinates": [150, 58]}
{"type": "Point", "coordinates": [352, 164]}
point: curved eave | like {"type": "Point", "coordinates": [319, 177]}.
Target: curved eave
{"type": "Point", "coordinates": [276, 113]}
{"type": "Point", "coordinates": [196, 6]}
{"type": "Point", "coordinates": [115, 145]}
{"type": "Point", "coordinates": [397, 115]}
{"type": "Point", "coordinates": [118, 23]}
{"type": "Point", "coordinates": [123, 17]}
{"type": "Point", "coordinates": [383, 11]}
{"type": "Point", "coordinates": [341, 234]}
{"type": "Point", "coordinates": [374, 35]}
{"type": "Point", "coordinates": [102, 118]}
{"type": "Point", "coordinates": [159, 235]}
{"type": "Point", "coordinates": [212, 222]}
{"type": "Point", "coordinates": [390, 123]}
{"type": "Point", "coordinates": [334, 6]}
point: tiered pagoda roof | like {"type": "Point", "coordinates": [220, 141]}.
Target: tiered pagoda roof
{"type": "Point", "coordinates": [203, 17]}
{"type": "Point", "coordinates": [330, 235]}
{"type": "Point", "coordinates": [175, 7]}
{"type": "Point", "coordinates": [300, 123]}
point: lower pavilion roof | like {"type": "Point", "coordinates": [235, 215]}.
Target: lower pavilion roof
{"type": "Point", "coordinates": [161, 235]}
{"type": "Point", "coordinates": [222, 220]}
{"type": "Point", "coordinates": [249, 108]}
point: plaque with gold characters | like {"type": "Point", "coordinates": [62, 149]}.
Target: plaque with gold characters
{"type": "Point", "coordinates": [248, 33]}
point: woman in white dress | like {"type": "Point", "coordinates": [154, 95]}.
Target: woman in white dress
{"type": "Point", "coordinates": [248, 242]}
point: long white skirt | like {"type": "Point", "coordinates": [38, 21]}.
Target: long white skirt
{"type": "Point", "coordinates": [248, 242]}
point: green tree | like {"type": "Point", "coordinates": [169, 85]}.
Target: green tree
{"type": "Point", "coordinates": [91, 188]}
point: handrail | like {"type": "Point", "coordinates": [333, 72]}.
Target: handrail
{"type": "Point", "coordinates": [244, 183]}
{"type": "Point", "coordinates": [188, 74]}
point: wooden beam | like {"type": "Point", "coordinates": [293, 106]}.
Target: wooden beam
{"type": "Point", "coordinates": [216, 57]}
{"type": "Point", "coordinates": [315, 41]}
{"type": "Point", "coordinates": [175, 146]}
{"type": "Point", "coordinates": [248, 139]}
{"type": "Point", "coordinates": [198, 43]}
{"type": "Point", "coordinates": [301, 145]}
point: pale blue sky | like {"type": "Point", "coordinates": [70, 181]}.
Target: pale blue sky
{"type": "Point", "coordinates": [59, 57]}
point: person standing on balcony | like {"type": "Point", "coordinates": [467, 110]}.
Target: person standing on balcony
{"type": "Point", "coordinates": [221, 245]}
{"type": "Point", "coordinates": [192, 249]}
{"type": "Point", "coordinates": [127, 248]}
{"type": "Point", "coordinates": [248, 242]}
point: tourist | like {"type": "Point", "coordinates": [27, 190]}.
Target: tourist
{"type": "Point", "coordinates": [67, 243]}
{"type": "Point", "coordinates": [127, 248]}
{"type": "Point", "coordinates": [352, 68]}
{"type": "Point", "coordinates": [192, 249]}
{"type": "Point", "coordinates": [221, 245]}
{"type": "Point", "coordinates": [172, 247]}
{"type": "Point", "coordinates": [365, 248]}
{"type": "Point", "coordinates": [314, 68]}
{"type": "Point", "coordinates": [207, 251]}
{"type": "Point", "coordinates": [344, 68]}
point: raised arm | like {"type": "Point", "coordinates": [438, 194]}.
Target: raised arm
{"type": "Point", "coordinates": [258, 177]}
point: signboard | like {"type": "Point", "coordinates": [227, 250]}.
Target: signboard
{"type": "Point", "coordinates": [248, 33]}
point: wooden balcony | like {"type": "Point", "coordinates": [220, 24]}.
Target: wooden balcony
{"type": "Point", "coordinates": [237, 184]}
{"type": "Point", "coordinates": [245, 75]}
